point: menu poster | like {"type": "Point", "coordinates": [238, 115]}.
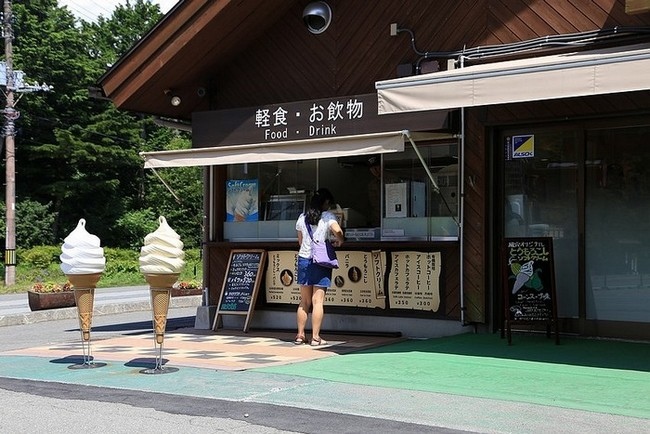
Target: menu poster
{"type": "Point", "coordinates": [358, 282]}
{"type": "Point", "coordinates": [414, 281]}
{"type": "Point", "coordinates": [282, 278]}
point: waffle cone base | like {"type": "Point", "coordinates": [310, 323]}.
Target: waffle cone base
{"type": "Point", "coordinates": [84, 298]}
{"type": "Point", "coordinates": [161, 281]}
{"type": "Point", "coordinates": [84, 280]}
{"type": "Point", "coordinates": [160, 305]}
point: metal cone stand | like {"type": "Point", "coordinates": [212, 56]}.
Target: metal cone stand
{"type": "Point", "coordinates": [84, 295]}
{"type": "Point", "coordinates": [160, 288]}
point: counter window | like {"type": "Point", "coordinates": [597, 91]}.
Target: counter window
{"type": "Point", "coordinates": [388, 196]}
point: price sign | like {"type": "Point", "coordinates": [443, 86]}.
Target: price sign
{"type": "Point", "coordinates": [241, 284]}
{"type": "Point", "coordinates": [415, 280]}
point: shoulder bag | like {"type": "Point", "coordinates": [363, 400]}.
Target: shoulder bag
{"type": "Point", "coordinates": [322, 253]}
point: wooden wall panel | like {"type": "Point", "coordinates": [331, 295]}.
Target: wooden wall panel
{"type": "Point", "coordinates": [568, 109]}
{"type": "Point", "coordinates": [289, 64]}
{"type": "Point", "coordinates": [475, 220]}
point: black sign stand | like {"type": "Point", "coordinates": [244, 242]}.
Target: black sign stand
{"type": "Point", "coordinates": [241, 285]}
{"type": "Point", "coordinates": [529, 284]}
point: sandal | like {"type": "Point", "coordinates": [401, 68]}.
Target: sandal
{"type": "Point", "coordinates": [299, 340]}
{"type": "Point", "coordinates": [318, 341]}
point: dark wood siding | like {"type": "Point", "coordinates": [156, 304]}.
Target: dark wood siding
{"type": "Point", "coordinates": [290, 64]}
{"type": "Point", "coordinates": [475, 220]}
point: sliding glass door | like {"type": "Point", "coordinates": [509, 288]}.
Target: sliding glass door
{"type": "Point", "coordinates": [617, 224]}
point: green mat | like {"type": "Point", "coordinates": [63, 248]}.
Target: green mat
{"type": "Point", "coordinates": [594, 375]}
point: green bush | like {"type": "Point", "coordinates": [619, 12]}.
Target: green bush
{"type": "Point", "coordinates": [42, 265]}
{"type": "Point", "coordinates": [39, 256]}
{"type": "Point", "coordinates": [34, 222]}
{"type": "Point", "coordinates": [132, 227]}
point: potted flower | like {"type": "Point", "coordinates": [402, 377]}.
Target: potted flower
{"type": "Point", "coordinates": [49, 295]}
{"type": "Point", "coordinates": [189, 287]}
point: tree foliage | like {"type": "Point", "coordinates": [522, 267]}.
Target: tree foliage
{"type": "Point", "coordinates": [78, 156]}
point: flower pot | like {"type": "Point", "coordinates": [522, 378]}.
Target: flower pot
{"type": "Point", "coordinates": [50, 300]}
{"type": "Point", "coordinates": [179, 292]}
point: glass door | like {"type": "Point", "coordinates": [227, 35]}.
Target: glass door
{"type": "Point", "coordinates": [540, 191]}
{"type": "Point", "coordinates": [617, 218]}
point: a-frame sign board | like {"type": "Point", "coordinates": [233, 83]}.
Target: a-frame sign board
{"type": "Point", "coordinates": [241, 285]}
{"type": "Point", "coordinates": [529, 284]}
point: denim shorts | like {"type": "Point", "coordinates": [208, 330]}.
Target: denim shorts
{"type": "Point", "coordinates": [313, 274]}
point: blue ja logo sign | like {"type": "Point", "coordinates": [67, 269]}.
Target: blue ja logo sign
{"type": "Point", "coordinates": [523, 146]}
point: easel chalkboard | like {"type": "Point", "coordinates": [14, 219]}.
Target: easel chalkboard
{"type": "Point", "coordinates": [529, 284]}
{"type": "Point", "coordinates": [240, 285]}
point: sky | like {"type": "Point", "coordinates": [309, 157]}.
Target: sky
{"type": "Point", "coordinates": [88, 10]}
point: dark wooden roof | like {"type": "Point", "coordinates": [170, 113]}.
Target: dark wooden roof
{"type": "Point", "coordinates": [180, 54]}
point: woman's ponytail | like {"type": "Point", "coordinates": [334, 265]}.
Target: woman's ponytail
{"type": "Point", "coordinates": [316, 204]}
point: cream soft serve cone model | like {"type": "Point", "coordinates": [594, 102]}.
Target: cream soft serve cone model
{"type": "Point", "coordinates": [161, 261]}
{"type": "Point", "coordinates": [162, 252]}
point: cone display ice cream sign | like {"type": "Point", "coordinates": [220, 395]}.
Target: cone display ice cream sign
{"type": "Point", "coordinates": [82, 261]}
{"type": "Point", "coordinates": [84, 297]}
{"type": "Point", "coordinates": [161, 261]}
{"type": "Point", "coordinates": [160, 287]}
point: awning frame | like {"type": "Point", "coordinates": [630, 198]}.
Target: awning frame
{"type": "Point", "coordinates": [326, 147]}
{"type": "Point", "coordinates": [565, 75]}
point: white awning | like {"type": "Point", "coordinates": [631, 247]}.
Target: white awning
{"type": "Point", "coordinates": [305, 149]}
{"type": "Point", "coordinates": [613, 70]}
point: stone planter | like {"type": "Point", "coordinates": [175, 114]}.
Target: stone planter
{"type": "Point", "coordinates": [50, 300]}
{"type": "Point", "coordinates": [179, 292]}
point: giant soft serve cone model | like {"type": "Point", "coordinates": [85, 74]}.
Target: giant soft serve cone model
{"type": "Point", "coordinates": [82, 261]}
{"type": "Point", "coordinates": [161, 261]}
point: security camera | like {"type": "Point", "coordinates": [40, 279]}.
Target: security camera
{"type": "Point", "coordinates": [317, 17]}
{"type": "Point", "coordinates": [201, 92]}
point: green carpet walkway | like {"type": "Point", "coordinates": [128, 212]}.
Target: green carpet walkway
{"type": "Point", "coordinates": [585, 374]}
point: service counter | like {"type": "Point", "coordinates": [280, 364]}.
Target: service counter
{"type": "Point", "coordinates": [406, 279]}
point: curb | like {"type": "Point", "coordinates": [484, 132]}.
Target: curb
{"type": "Point", "coordinates": [102, 309]}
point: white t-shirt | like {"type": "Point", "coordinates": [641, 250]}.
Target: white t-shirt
{"type": "Point", "coordinates": [319, 232]}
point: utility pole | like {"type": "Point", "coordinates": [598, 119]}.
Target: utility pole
{"type": "Point", "coordinates": [10, 151]}
{"type": "Point", "coordinates": [13, 80]}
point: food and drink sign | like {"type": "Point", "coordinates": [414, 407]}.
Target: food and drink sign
{"type": "Point", "coordinates": [360, 280]}
{"type": "Point", "coordinates": [313, 119]}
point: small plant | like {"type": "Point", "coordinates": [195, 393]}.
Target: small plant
{"type": "Point", "coordinates": [44, 287]}
{"type": "Point", "coordinates": [191, 284]}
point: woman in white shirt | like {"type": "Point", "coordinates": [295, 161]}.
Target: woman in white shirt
{"type": "Point", "coordinates": [313, 278]}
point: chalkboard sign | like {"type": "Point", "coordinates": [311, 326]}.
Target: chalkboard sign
{"type": "Point", "coordinates": [529, 283]}
{"type": "Point", "coordinates": [241, 284]}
